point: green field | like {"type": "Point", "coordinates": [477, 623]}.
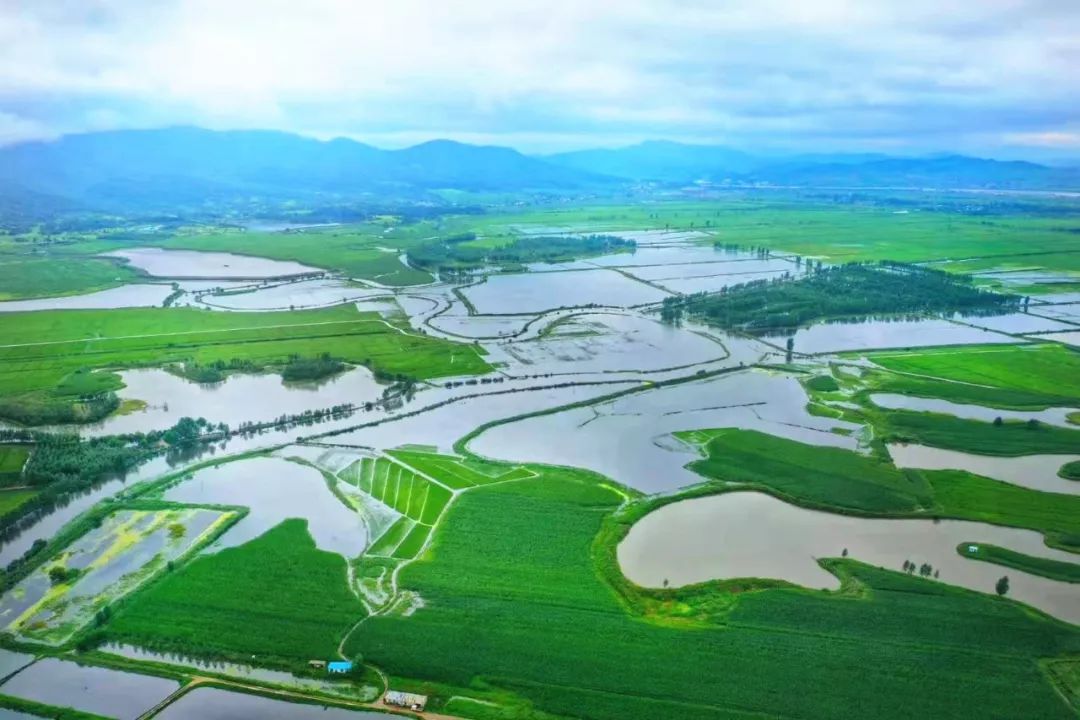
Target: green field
{"type": "Point", "coordinates": [1070, 470]}
{"type": "Point", "coordinates": [13, 499]}
{"type": "Point", "coordinates": [23, 277]}
{"type": "Point", "coordinates": [845, 481]}
{"type": "Point", "coordinates": [275, 597]}
{"type": "Point", "coordinates": [513, 598]}
{"type": "Point", "coordinates": [1053, 569]}
{"type": "Point", "coordinates": [41, 349]}
{"type": "Point", "coordinates": [1024, 377]}
{"type": "Point", "coordinates": [12, 459]}
{"type": "Point", "coordinates": [1010, 438]}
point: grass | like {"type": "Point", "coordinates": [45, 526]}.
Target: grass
{"type": "Point", "coordinates": [1053, 569]}
{"type": "Point", "coordinates": [23, 277]}
{"type": "Point", "coordinates": [12, 459]}
{"type": "Point", "coordinates": [1070, 470]}
{"type": "Point", "coordinates": [815, 475]}
{"type": "Point", "coordinates": [1022, 377]}
{"type": "Point", "coordinates": [1010, 438]}
{"type": "Point", "coordinates": [11, 500]}
{"type": "Point", "coordinates": [277, 596]}
{"type": "Point", "coordinates": [514, 601]}
{"type": "Point", "coordinates": [41, 350]}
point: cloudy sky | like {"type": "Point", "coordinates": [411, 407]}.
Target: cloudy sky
{"type": "Point", "coordinates": [994, 77]}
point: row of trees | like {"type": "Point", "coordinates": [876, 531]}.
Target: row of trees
{"type": "Point", "coordinates": [855, 291]}
{"type": "Point", "coordinates": [454, 254]}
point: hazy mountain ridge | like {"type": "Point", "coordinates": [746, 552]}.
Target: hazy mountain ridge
{"type": "Point", "coordinates": [186, 166]}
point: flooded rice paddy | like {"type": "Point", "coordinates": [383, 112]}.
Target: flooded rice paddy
{"type": "Point", "coordinates": [125, 296]}
{"type": "Point", "coordinates": [750, 534]}
{"type": "Point", "coordinates": [101, 691]}
{"type": "Point", "coordinates": [1018, 323]}
{"type": "Point", "coordinates": [1038, 472]}
{"type": "Point", "coordinates": [299, 295]}
{"type": "Point", "coordinates": [884, 334]}
{"type": "Point", "coordinates": [111, 560]}
{"type": "Point", "coordinates": [536, 292]}
{"type": "Point", "coordinates": [275, 490]}
{"type": "Point", "coordinates": [194, 264]}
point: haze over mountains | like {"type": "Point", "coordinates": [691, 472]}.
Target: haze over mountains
{"type": "Point", "coordinates": [158, 169]}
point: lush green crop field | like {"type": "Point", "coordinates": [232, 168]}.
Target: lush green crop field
{"type": "Point", "coordinates": [1070, 470]}
{"type": "Point", "coordinates": [1035, 376]}
{"type": "Point", "coordinates": [453, 472]}
{"type": "Point", "coordinates": [817, 475]}
{"type": "Point", "coordinates": [512, 595]}
{"type": "Point", "coordinates": [42, 348]}
{"type": "Point", "coordinates": [1053, 569]}
{"type": "Point", "coordinates": [1012, 437]}
{"type": "Point", "coordinates": [31, 277]}
{"type": "Point", "coordinates": [276, 596]}
{"type": "Point", "coordinates": [12, 459]}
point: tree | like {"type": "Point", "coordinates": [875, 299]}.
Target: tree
{"type": "Point", "coordinates": [1002, 586]}
{"type": "Point", "coordinates": [998, 422]}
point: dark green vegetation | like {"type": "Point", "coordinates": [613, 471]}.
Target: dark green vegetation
{"type": "Point", "coordinates": [12, 500]}
{"type": "Point", "coordinates": [43, 349]}
{"type": "Point", "coordinates": [316, 368]}
{"type": "Point", "coordinates": [1022, 377]}
{"type": "Point", "coordinates": [842, 481]}
{"type": "Point", "coordinates": [12, 459]}
{"type": "Point", "coordinates": [1070, 470]}
{"type": "Point", "coordinates": [853, 291]}
{"type": "Point", "coordinates": [277, 597]}
{"type": "Point", "coordinates": [464, 252]}
{"type": "Point", "coordinates": [24, 276]}
{"type": "Point", "coordinates": [1053, 569]}
{"type": "Point", "coordinates": [513, 599]}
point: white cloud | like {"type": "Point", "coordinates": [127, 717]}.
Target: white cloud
{"type": "Point", "coordinates": [598, 69]}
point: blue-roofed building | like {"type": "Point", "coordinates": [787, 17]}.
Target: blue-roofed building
{"type": "Point", "coordinates": [339, 666]}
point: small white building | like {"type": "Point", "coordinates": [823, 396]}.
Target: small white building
{"type": "Point", "coordinates": [412, 701]}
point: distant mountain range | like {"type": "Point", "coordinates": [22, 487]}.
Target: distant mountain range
{"type": "Point", "coordinates": [178, 167]}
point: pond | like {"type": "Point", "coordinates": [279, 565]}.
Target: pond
{"type": "Point", "coordinates": [536, 292]}
{"type": "Point", "coordinates": [125, 296]}
{"type": "Point", "coordinates": [292, 296]}
{"type": "Point", "coordinates": [1069, 338]}
{"type": "Point", "coordinates": [216, 704]}
{"type": "Point", "coordinates": [1038, 472]}
{"type": "Point", "coordinates": [1018, 323]}
{"type": "Point", "coordinates": [892, 401]}
{"type": "Point", "coordinates": [157, 262]}
{"type": "Point", "coordinates": [628, 439]}
{"type": "Point", "coordinates": [101, 691]}
{"type": "Point", "coordinates": [608, 342]}
{"type": "Point", "coordinates": [883, 334]}
{"type": "Point", "coordinates": [275, 490]}
{"type": "Point", "coordinates": [750, 534]}
{"type": "Point", "coordinates": [11, 662]}
{"type": "Point", "coordinates": [239, 398]}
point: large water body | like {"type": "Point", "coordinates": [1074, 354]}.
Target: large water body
{"type": "Point", "coordinates": [111, 693]}
{"type": "Point", "coordinates": [750, 534]}
{"type": "Point", "coordinates": [275, 489]}
{"type": "Point", "coordinates": [293, 296]}
{"type": "Point", "coordinates": [536, 292]}
{"type": "Point", "coordinates": [125, 296]}
{"type": "Point", "coordinates": [884, 334]}
{"type": "Point", "coordinates": [239, 398]}
{"type": "Point", "coordinates": [1038, 472]}
{"type": "Point", "coordinates": [194, 264]}
{"type": "Point", "coordinates": [628, 439]}
{"type": "Point", "coordinates": [1019, 323]}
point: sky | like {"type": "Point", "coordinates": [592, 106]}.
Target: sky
{"type": "Point", "coordinates": [999, 78]}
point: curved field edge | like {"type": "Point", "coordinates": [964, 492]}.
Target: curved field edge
{"type": "Point", "coordinates": [534, 616]}
{"type": "Point", "coordinates": [1044, 567]}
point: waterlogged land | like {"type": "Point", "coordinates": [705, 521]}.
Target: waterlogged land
{"type": "Point", "coordinates": [545, 501]}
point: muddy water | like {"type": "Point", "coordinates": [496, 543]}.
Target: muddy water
{"type": "Point", "coordinates": [535, 292]}
{"type": "Point", "coordinates": [750, 534]}
{"type": "Point", "coordinates": [891, 401]}
{"type": "Point", "coordinates": [881, 334]}
{"type": "Point", "coordinates": [193, 264]}
{"type": "Point", "coordinates": [628, 439]}
{"type": "Point", "coordinates": [215, 704]}
{"type": "Point", "coordinates": [275, 490]}
{"type": "Point", "coordinates": [125, 296]}
{"type": "Point", "coordinates": [111, 693]}
{"type": "Point", "coordinates": [239, 398]}
{"type": "Point", "coordinates": [1038, 472]}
